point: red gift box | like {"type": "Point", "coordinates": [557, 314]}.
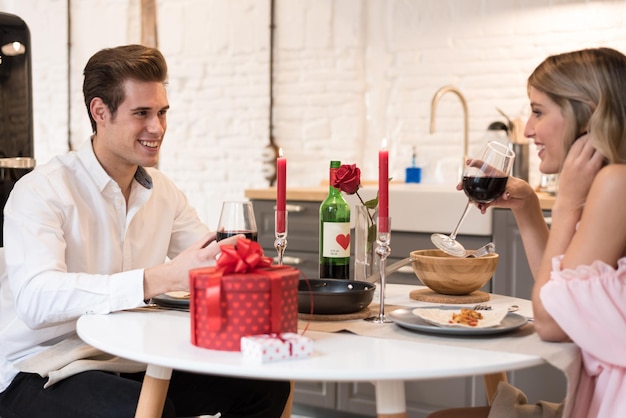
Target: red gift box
{"type": "Point", "coordinates": [243, 295]}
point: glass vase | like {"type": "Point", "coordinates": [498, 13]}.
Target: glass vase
{"type": "Point", "coordinates": [365, 259]}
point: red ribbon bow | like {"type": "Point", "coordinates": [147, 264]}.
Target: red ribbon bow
{"type": "Point", "coordinates": [245, 256]}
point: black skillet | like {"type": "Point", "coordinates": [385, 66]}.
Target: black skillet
{"type": "Point", "coordinates": [333, 296]}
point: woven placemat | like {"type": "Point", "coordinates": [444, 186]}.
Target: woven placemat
{"type": "Point", "coordinates": [362, 314]}
{"type": "Point", "coordinates": [427, 295]}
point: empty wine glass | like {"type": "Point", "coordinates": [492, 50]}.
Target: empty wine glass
{"type": "Point", "coordinates": [237, 218]}
{"type": "Point", "coordinates": [484, 180]}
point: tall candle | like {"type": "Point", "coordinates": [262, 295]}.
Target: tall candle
{"type": "Point", "coordinates": [281, 191]}
{"type": "Point", "coordinates": [383, 188]}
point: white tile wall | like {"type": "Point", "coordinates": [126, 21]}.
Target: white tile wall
{"type": "Point", "coordinates": [347, 74]}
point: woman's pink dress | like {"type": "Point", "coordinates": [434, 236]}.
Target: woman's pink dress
{"type": "Point", "coordinates": [589, 303]}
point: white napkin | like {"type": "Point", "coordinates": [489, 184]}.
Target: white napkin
{"type": "Point", "coordinates": [72, 356]}
{"type": "Point", "coordinates": [443, 316]}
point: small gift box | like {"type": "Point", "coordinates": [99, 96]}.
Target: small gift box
{"type": "Point", "coordinates": [243, 295]}
{"type": "Point", "coordinates": [274, 347]}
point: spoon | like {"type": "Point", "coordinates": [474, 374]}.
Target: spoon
{"type": "Point", "coordinates": [482, 251]}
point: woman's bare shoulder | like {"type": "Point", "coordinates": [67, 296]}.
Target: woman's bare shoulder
{"type": "Point", "coordinates": [608, 192]}
{"type": "Point", "coordinates": [611, 179]}
{"type": "Point", "coordinates": [603, 218]}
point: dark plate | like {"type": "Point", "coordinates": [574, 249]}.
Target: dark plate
{"type": "Point", "coordinates": [333, 296]}
{"type": "Point", "coordinates": [169, 302]}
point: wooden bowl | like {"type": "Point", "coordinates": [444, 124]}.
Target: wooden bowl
{"type": "Point", "coordinates": [449, 275]}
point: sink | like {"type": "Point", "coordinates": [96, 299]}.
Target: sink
{"type": "Point", "coordinates": [429, 208]}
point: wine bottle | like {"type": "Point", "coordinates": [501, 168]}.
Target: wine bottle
{"type": "Point", "coordinates": [334, 233]}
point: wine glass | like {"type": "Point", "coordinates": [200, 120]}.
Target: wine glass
{"type": "Point", "coordinates": [484, 180]}
{"type": "Point", "coordinates": [237, 218]}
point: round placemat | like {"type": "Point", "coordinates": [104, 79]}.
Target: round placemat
{"type": "Point", "coordinates": [427, 295]}
{"type": "Point", "coordinates": [362, 314]}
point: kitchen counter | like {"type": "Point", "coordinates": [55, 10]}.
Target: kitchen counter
{"type": "Point", "coordinates": [318, 193]}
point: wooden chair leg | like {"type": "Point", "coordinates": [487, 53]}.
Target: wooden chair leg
{"type": "Point", "coordinates": [289, 404]}
{"type": "Point", "coordinates": [491, 384]}
{"type": "Point", "coordinates": [473, 412]}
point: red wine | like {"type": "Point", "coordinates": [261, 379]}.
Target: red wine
{"type": "Point", "coordinates": [484, 189]}
{"type": "Point", "coordinates": [251, 235]}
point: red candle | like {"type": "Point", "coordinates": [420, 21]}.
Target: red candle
{"type": "Point", "coordinates": [383, 188]}
{"type": "Point", "coordinates": [281, 191]}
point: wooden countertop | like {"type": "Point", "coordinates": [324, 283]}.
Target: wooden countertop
{"type": "Point", "coordinates": [318, 193]}
{"type": "Point", "coordinates": [306, 194]}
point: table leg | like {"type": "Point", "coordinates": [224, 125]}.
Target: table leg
{"type": "Point", "coordinates": [390, 399]}
{"type": "Point", "coordinates": [153, 392]}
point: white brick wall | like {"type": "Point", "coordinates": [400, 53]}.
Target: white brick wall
{"type": "Point", "coordinates": [347, 74]}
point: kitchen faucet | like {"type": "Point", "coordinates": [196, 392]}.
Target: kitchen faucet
{"type": "Point", "coordinates": [433, 109]}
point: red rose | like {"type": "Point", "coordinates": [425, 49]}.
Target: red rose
{"type": "Point", "coordinates": [347, 178]}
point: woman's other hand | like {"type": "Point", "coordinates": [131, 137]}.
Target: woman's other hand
{"type": "Point", "coordinates": [580, 167]}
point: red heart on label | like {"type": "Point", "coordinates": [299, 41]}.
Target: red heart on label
{"type": "Point", "coordinates": [343, 240]}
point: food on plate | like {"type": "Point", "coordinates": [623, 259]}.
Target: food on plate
{"type": "Point", "coordinates": [461, 317]}
{"type": "Point", "coordinates": [466, 317]}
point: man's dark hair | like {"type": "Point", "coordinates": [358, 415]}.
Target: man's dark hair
{"type": "Point", "coordinates": [108, 69]}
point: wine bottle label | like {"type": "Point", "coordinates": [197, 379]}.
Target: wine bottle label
{"type": "Point", "coordinates": [336, 239]}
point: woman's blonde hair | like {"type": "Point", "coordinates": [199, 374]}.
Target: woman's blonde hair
{"type": "Point", "coordinates": [589, 86]}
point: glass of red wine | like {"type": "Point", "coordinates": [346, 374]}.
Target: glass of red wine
{"type": "Point", "coordinates": [484, 180]}
{"type": "Point", "coordinates": [237, 218]}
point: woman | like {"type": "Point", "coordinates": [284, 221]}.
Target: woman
{"type": "Point", "coordinates": [578, 122]}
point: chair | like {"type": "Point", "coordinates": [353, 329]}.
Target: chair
{"type": "Point", "coordinates": [491, 385]}
{"type": "Point", "coordinates": [3, 264]}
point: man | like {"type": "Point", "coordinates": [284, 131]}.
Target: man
{"type": "Point", "coordinates": [89, 232]}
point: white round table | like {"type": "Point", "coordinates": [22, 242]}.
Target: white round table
{"type": "Point", "coordinates": [162, 340]}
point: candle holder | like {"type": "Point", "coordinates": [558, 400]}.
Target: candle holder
{"type": "Point", "coordinates": [280, 243]}
{"type": "Point", "coordinates": [382, 251]}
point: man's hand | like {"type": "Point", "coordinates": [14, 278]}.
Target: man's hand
{"type": "Point", "coordinates": [174, 275]}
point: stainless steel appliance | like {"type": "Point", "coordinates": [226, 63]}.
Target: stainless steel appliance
{"type": "Point", "coordinates": [16, 108]}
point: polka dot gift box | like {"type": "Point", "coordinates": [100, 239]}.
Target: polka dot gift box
{"type": "Point", "coordinates": [276, 347]}
{"type": "Point", "coordinates": [243, 295]}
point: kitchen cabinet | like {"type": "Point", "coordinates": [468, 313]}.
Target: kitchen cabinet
{"type": "Point", "coordinates": [302, 235]}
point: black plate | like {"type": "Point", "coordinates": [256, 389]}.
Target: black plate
{"type": "Point", "coordinates": [333, 296]}
{"type": "Point", "coordinates": [167, 301]}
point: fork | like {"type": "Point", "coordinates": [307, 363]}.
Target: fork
{"type": "Point", "coordinates": [512, 308]}
{"type": "Point", "coordinates": [481, 307]}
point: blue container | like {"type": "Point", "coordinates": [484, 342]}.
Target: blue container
{"type": "Point", "coordinates": [413, 175]}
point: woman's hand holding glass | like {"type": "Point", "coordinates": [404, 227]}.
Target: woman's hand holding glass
{"type": "Point", "coordinates": [484, 180]}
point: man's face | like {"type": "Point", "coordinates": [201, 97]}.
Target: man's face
{"type": "Point", "coordinates": [133, 136]}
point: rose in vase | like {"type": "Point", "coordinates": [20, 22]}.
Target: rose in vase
{"type": "Point", "coordinates": [348, 180]}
